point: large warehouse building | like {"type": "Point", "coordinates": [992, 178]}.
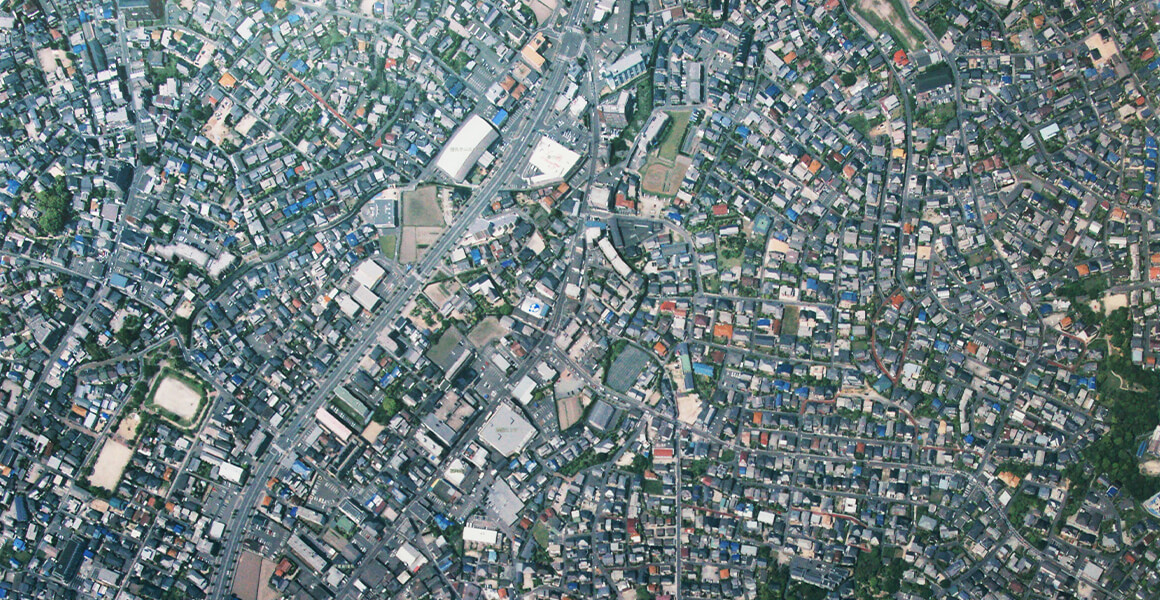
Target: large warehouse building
{"type": "Point", "coordinates": [465, 147]}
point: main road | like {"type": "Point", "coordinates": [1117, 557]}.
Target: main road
{"type": "Point", "coordinates": [401, 294]}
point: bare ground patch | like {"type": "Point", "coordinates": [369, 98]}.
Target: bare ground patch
{"type": "Point", "coordinates": [663, 178]}
{"type": "Point", "coordinates": [542, 9]}
{"type": "Point", "coordinates": [177, 397]}
{"type": "Point", "coordinates": [111, 463]}
{"type": "Point", "coordinates": [569, 411]}
{"type": "Point", "coordinates": [248, 576]}
{"type": "Point", "coordinates": [688, 408]}
{"type": "Point", "coordinates": [127, 430]}
{"type": "Point", "coordinates": [415, 242]}
{"type": "Point", "coordinates": [421, 208]}
{"type": "Point", "coordinates": [883, 16]}
{"type": "Point", "coordinates": [440, 293]}
{"type": "Point", "coordinates": [486, 331]}
{"type": "Point", "coordinates": [1111, 302]}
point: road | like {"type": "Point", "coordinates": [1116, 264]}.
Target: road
{"type": "Point", "coordinates": [406, 289]}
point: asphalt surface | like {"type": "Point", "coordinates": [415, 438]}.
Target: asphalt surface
{"type": "Point", "coordinates": [402, 292]}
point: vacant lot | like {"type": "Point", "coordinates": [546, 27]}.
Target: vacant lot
{"type": "Point", "coordinates": [888, 16]}
{"type": "Point", "coordinates": [569, 411]}
{"type": "Point", "coordinates": [789, 320]}
{"type": "Point", "coordinates": [178, 397]}
{"type": "Point", "coordinates": [421, 208]}
{"type": "Point", "coordinates": [440, 293]}
{"type": "Point", "coordinates": [443, 352]}
{"type": "Point", "coordinates": [486, 331]}
{"type": "Point", "coordinates": [688, 408]}
{"type": "Point", "coordinates": [416, 240]}
{"type": "Point", "coordinates": [542, 8]}
{"type": "Point", "coordinates": [110, 464]}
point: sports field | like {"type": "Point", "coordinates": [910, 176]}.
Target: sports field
{"type": "Point", "coordinates": [665, 168]}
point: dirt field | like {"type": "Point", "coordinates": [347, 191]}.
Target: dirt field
{"type": "Point", "coordinates": [216, 129]}
{"type": "Point", "coordinates": [421, 208]}
{"type": "Point", "coordinates": [372, 431]}
{"type": "Point", "coordinates": [569, 411]}
{"type": "Point", "coordinates": [542, 8]}
{"type": "Point", "coordinates": [688, 408]}
{"type": "Point", "coordinates": [651, 206]}
{"type": "Point", "coordinates": [440, 293]}
{"type": "Point", "coordinates": [416, 240]}
{"type": "Point", "coordinates": [49, 59]}
{"type": "Point", "coordinates": [1113, 301]}
{"type": "Point", "coordinates": [249, 576]}
{"type": "Point", "coordinates": [110, 464]}
{"type": "Point", "coordinates": [487, 331]}
{"type": "Point", "coordinates": [177, 397]}
{"type": "Point", "coordinates": [882, 14]}
{"type": "Point", "coordinates": [1151, 467]}
{"type": "Point", "coordinates": [127, 430]}
{"type": "Point", "coordinates": [663, 178]}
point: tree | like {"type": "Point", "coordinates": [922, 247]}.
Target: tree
{"type": "Point", "coordinates": [55, 206]}
{"type": "Point", "coordinates": [129, 332]}
{"type": "Point", "coordinates": [385, 410]}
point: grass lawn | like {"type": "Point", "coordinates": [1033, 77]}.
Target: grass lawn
{"type": "Point", "coordinates": [789, 321]}
{"type": "Point", "coordinates": [672, 143]}
{"type": "Point", "coordinates": [728, 262]}
{"type": "Point", "coordinates": [389, 245]}
{"type": "Point", "coordinates": [540, 533]}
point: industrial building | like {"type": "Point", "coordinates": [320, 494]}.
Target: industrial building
{"type": "Point", "coordinates": [507, 432]}
{"type": "Point", "coordinates": [465, 148]}
{"type": "Point", "coordinates": [552, 162]}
